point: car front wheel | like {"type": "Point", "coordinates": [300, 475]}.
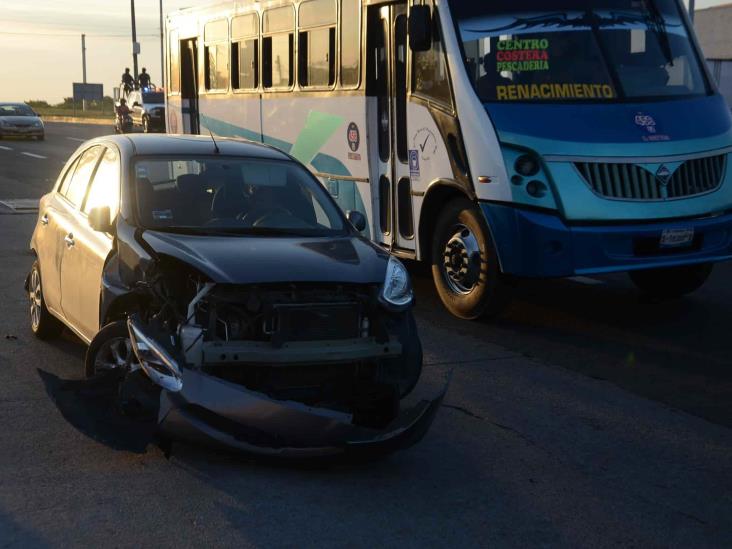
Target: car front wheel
{"type": "Point", "coordinates": [672, 281]}
{"type": "Point", "coordinates": [465, 265]}
{"type": "Point", "coordinates": [43, 324]}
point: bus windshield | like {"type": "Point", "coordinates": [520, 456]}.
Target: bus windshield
{"type": "Point", "coordinates": [578, 50]}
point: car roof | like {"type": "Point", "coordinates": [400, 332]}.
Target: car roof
{"type": "Point", "coordinates": [166, 144]}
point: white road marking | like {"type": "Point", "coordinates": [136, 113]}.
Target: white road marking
{"type": "Point", "coordinates": [19, 205]}
{"type": "Point", "coordinates": [6, 148]}
{"type": "Point", "coordinates": [76, 139]}
{"type": "Point", "coordinates": [587, 281]}
{"type": "Point", "coordinates": [34, 155]}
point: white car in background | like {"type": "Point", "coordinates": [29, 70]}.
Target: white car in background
{"type": "Point", "coordinates": [19, 120]}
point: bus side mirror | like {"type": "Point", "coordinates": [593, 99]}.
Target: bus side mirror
{"type": "Point", "coordinates": [100, 219]}
{"type": "Point", "coordinates": [420, 28]}
{"type": "Point", "coordinates": [357, 219]}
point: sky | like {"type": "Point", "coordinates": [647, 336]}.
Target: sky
{"type": "Point", "coordinates": [40, 43]}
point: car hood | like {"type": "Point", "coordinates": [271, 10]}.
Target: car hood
{"type": "Point", "coordinates": [260, 260]}
{"type": "Point", "coordinates": [20, 120]}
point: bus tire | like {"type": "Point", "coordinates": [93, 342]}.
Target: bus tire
{"type": "Point", "coordinates": [671, 282]}
{"type": "Point", "coordinates": [465, 265]}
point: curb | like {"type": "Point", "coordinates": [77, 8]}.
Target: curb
{"type": "Point", "coordinates": [80, 120]}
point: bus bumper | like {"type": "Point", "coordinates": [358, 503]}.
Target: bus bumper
{"type": "Point", "coordinates": [539, 244]}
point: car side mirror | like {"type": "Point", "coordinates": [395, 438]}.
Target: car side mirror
{"type": "Point", "coordinates": [420, 28]}
{"type": "Point", "coordinates": [100, 219]}
{"type": "Point", "coordinates": [357, 219]}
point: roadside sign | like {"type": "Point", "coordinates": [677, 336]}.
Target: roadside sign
{"type": "Point", "coordinates": [90, 92]}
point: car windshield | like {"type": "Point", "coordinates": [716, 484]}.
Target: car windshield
{"type": "Point", "coordinates": [219, 195]}
{"type": "Point", "coordinates": [16, 110]}
{"type": "Point", "coordinates": [578, 50]}
{"type": "Point", "coordinates": [152, 97]}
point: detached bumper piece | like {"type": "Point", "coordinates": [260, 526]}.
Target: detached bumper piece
{"type": "Point", "coordinates": [294, 399]}
{"type": "Point", "coordinates": [215, 412]}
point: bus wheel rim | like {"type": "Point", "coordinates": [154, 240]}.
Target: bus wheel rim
{"type": "Point", "coordinates": [461, 261]}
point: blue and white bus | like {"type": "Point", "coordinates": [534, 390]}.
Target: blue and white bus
{"type": "Point", "coordinates": [495, 140]}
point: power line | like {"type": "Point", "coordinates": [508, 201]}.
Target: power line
{"type": "Point", "coordinates": [74, 35]}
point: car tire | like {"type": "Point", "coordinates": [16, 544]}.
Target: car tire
{"type": "Point", "coordinates": [465, 266]}
{"type": "Point", "coordinates": [43, 324]}
{"type": "Point", "coordinates": [103, 342]}
{"type": "Point", "coordinates": [671, 282]}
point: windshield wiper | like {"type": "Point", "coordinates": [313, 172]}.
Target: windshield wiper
{"type": "Point", "coordinates": [657, 24]}
{"type": "Point", "coordinates": [238, 231]}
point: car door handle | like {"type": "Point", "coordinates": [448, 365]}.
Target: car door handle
{"type": "Point", "coordinates": [69, 239]}
{"type": "Point", "coordinates": [44, 220]}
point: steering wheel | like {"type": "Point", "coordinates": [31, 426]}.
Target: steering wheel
{"type": "Point", "coordinates": [255, 218]}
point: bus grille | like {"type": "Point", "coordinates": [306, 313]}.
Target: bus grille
{"type": "Point", "coordinates": [632, 182]}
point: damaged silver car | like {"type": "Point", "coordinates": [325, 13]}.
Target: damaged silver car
{"type": "Point", "coordinates": [233, 300]}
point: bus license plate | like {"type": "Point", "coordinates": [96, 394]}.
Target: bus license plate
{"type": "Point", "coordinates": [674, 238]}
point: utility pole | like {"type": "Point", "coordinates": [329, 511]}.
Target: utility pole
{"type": "Point", "coordinates": [83, 66]}
{"type": "Point", "coordinates": [162, 48]}
{"type": "Point", "coordinates": [691, 9]}
{"type": "Point", "coordinates": [135, 45]}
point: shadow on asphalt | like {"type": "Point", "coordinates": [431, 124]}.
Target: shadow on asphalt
{"type": "Point", "coordinates": [91, 407]}
{"type": "Point", "coordinates": [674, 351]}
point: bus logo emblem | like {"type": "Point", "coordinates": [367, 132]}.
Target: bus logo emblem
{"type": "Point", "coordinates": [663, 175]}
{"type": "Point", "coordinates": [645, 121]}
{"type": "Point", "coordinates": [354, 137]}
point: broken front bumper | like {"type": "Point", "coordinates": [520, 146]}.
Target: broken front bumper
{"type": "Point", "coordinates": [213, 411]}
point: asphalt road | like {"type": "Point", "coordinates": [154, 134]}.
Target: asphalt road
{"type": "Point", "coordinates": [583, 417]}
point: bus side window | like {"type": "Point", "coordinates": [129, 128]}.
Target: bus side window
{"type": "Point", "coordinates": [245, 52]}
{"type": "Point", "coordinates": [278, 46]}
{"type": "Point", "coordinates": [430, 77]}
{"type": "Point", "coordinates": [174, 60]}
{"type": "Point", "coordinates": [317, 43]}
{"type": "Point", "coordinates": [350, 43]}
{"type": "Point", "coordinates": [216, 56]}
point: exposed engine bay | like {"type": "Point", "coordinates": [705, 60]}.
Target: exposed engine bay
{"type": "Point", "coordinates": [328, 351]}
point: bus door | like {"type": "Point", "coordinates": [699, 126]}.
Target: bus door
{"type": "Point", "coordinates": [189, 85]}
{"type": "Point", "coordinates": [387, 66]}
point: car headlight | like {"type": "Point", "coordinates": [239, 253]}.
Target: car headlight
{"type": "Point", "coordinates": [38, 124]}
{"type": "Point", "coordinates": [154, 360]}
{"type": "Point", "coordinates": [397, 291]}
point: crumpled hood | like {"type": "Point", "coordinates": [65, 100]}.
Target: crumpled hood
{"type": "Point", "coordinates": [261, 260]}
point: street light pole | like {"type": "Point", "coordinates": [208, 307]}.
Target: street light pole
{"type": "Point", "coordinates": [162, 48]}
{"type": "Point", "coordinates": [135, 46]}
{"type": "Point", "coordinates": [83, 66]}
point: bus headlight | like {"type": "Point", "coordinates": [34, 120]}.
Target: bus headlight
{"type": "Point", "coordinates": [397, 291]}
{"type": "Point", "coordinates": [526, 165]}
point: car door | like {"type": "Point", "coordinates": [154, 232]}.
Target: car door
{"type": "Point", "coordinates": [92, 247]}
{"type": "Point", "coordinates": [72, 224]}
{"type": "Point", "coordinates": [48, 240]}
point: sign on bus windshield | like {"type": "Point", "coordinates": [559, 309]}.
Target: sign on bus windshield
{"type": "Point", "coordinates": [578, 50]}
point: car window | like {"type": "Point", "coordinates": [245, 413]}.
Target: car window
{"type": "Point", "coordinates": [64, 186]}
{"type": "Point", "coordinates": [104, 190]}
{"type": "Point", "coordinates": [80, 180]}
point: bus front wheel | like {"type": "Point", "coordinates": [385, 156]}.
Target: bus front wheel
{"type": "Point", "coordinates": [465, 264]}
{"type": "Point", "coordinates": [672, 281]}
